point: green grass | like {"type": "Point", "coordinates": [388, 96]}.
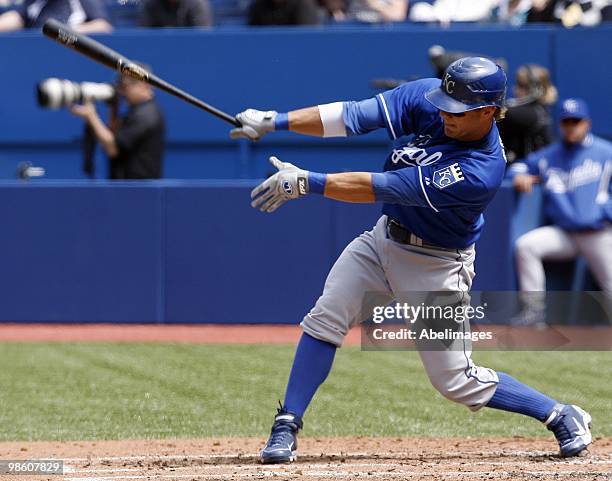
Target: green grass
{"type": "Point", "coordinates": [71, 391]}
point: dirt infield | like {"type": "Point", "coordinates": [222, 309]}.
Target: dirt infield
{"type": "Point", "coordinates": [355, 458]}
{"type": "Point", "coordinates": [503, 337]}
{"type": "Point", "coordinates": [197, 334]}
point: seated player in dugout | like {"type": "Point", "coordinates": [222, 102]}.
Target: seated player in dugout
{"type": "Point", "coordinates": [433, 190]}
{"type": "Point", "coordinates": [134, 142]}
{"type": "Point", "coordinates": [575, 176]}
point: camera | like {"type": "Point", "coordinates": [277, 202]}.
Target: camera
{"type": "Point", "coordinates": [54, 93]}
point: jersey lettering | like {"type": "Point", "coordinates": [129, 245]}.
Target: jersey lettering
{"type": "Point", "coordinates": [413, 156]}
{"type": "Point", "coordinates": [560, 181]}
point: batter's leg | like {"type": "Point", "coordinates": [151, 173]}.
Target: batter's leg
{"type": "Point", "coordinates": [457, 378]}
{"type": "Point", "coordinates": [356, 272]}
{"type": "Point", "coordinates": [453, 373]}
{"type": "Point", "coordinates": [451, 369]}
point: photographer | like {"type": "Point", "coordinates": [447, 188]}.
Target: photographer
{"type": "Point", "coordinates": [135, 147]}
{"type": "Point", "coordinates": [527, 126]}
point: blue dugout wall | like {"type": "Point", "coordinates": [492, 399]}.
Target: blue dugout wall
{"type": "Point", "coordinates": [235, 68]}
{"type": "Point", "coordinates": [190, 251]}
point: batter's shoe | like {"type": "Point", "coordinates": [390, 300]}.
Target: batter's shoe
{"type": "Point", "coordinates": [571, 426]}
{"type": "Point", "coordinates": [282, 444]}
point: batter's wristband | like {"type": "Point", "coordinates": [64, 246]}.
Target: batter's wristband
{"type": "Point", "coordinates": [281, 122]}
{"type": "Point", "coordinates": [316, 182]}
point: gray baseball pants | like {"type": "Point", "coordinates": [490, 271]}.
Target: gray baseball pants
{"type": "Point", "coordinates": [553, 243]}
{"type": "Point", "coordinates": [373, 263]}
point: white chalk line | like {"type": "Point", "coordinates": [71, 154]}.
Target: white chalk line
{"type": "Point", "coordinates": [345, 455]}
{"type": "Point", "coordinates": [335, 474]}
{"type": "Point", "coordinates": [76, 469]}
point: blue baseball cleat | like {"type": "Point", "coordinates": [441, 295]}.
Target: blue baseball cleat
{"type": "Point", "coordinates": [571, 426]}
{"type": "Point", "coordinates": [282, 444]}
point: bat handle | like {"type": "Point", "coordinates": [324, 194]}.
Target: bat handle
{"type": "Point", "coordinates": [223, 116]}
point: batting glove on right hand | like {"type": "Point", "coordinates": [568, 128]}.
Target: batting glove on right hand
{"type": "Point", "coordinates": [255, 124]}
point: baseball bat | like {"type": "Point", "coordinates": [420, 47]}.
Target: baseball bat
{"type": "Point", "coordinates": [114, 60]}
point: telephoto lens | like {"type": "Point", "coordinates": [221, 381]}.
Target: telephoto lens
{"type": "Point", "coordinates": [54, 93]}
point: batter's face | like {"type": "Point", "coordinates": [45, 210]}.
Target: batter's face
{"type": "Point", "coordinates": [575, 130]}
{"type": "Point", "coordinates": [468, 126]}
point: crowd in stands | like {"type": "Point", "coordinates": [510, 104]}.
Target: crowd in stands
{"type": "Point", "coordinates": [99, 16]}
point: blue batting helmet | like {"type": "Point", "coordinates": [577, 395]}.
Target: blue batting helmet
{"type": "Point", "coordinates": [469, 83]}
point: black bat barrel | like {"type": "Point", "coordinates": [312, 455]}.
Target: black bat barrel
{"type": "Point", "coordinates": [83, 44]}
{"type": "Point", "coordinates": [106, 56]}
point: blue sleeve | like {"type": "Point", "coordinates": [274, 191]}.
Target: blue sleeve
{"type": "Point", "coordinates": [437, 187]}
{"type": "Point", "coordinates": [94, 9]}
{"type": "Point", "coordinates": [405, 106]}
{"type": "Point", "coordinates": [362, 117]}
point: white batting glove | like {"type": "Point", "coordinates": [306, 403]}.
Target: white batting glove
{"type": "Point", "coordinates": [255, 124]}
{"type": "Point", "coordinates": [290, 182]}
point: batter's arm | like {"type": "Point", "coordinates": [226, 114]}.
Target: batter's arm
{"type": "Point", "coordinates": [291, 182]}
{"type": "Point", "coordinates": [306, 121]}
{"type": "Point", "coordinates": [366, 187]}
{"type": "Point", "coordinates": [337, 119]}
{"type": "Point", "coordinates": [350, 187]}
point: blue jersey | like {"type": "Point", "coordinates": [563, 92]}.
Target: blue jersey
{"type": "Point", "coordinates": [437, 187]}
{"type": "Point", "coordinates": [575, 181]}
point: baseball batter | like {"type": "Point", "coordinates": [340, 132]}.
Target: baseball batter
{"type": "Point", "coordinates": [433, 192]}
{"type": "Point", "coordinates": [575, 175]}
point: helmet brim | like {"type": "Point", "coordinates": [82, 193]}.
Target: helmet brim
{"type": "Point", "coordinates": [443, 101]}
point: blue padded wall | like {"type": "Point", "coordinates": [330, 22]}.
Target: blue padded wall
{"type": "Point", "coordinates": [72, 253]}
{"type": "Point", "coordinates": [188, 251]}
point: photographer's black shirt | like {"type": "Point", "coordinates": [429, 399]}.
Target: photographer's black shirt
{"type": "Point", "coordinates": [141, 141]}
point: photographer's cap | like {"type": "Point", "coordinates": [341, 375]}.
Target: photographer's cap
{"type": "Point", "coordinates": [574, 109]}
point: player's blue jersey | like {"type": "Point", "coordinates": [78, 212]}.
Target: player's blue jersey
{"type": "Point", "coordinates": [440, 186]}
{"type": "Point", "coordinates": [576, 182]}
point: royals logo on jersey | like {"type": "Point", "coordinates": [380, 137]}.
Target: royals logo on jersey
{"type": "Point", "coordinates": [447, 176]}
